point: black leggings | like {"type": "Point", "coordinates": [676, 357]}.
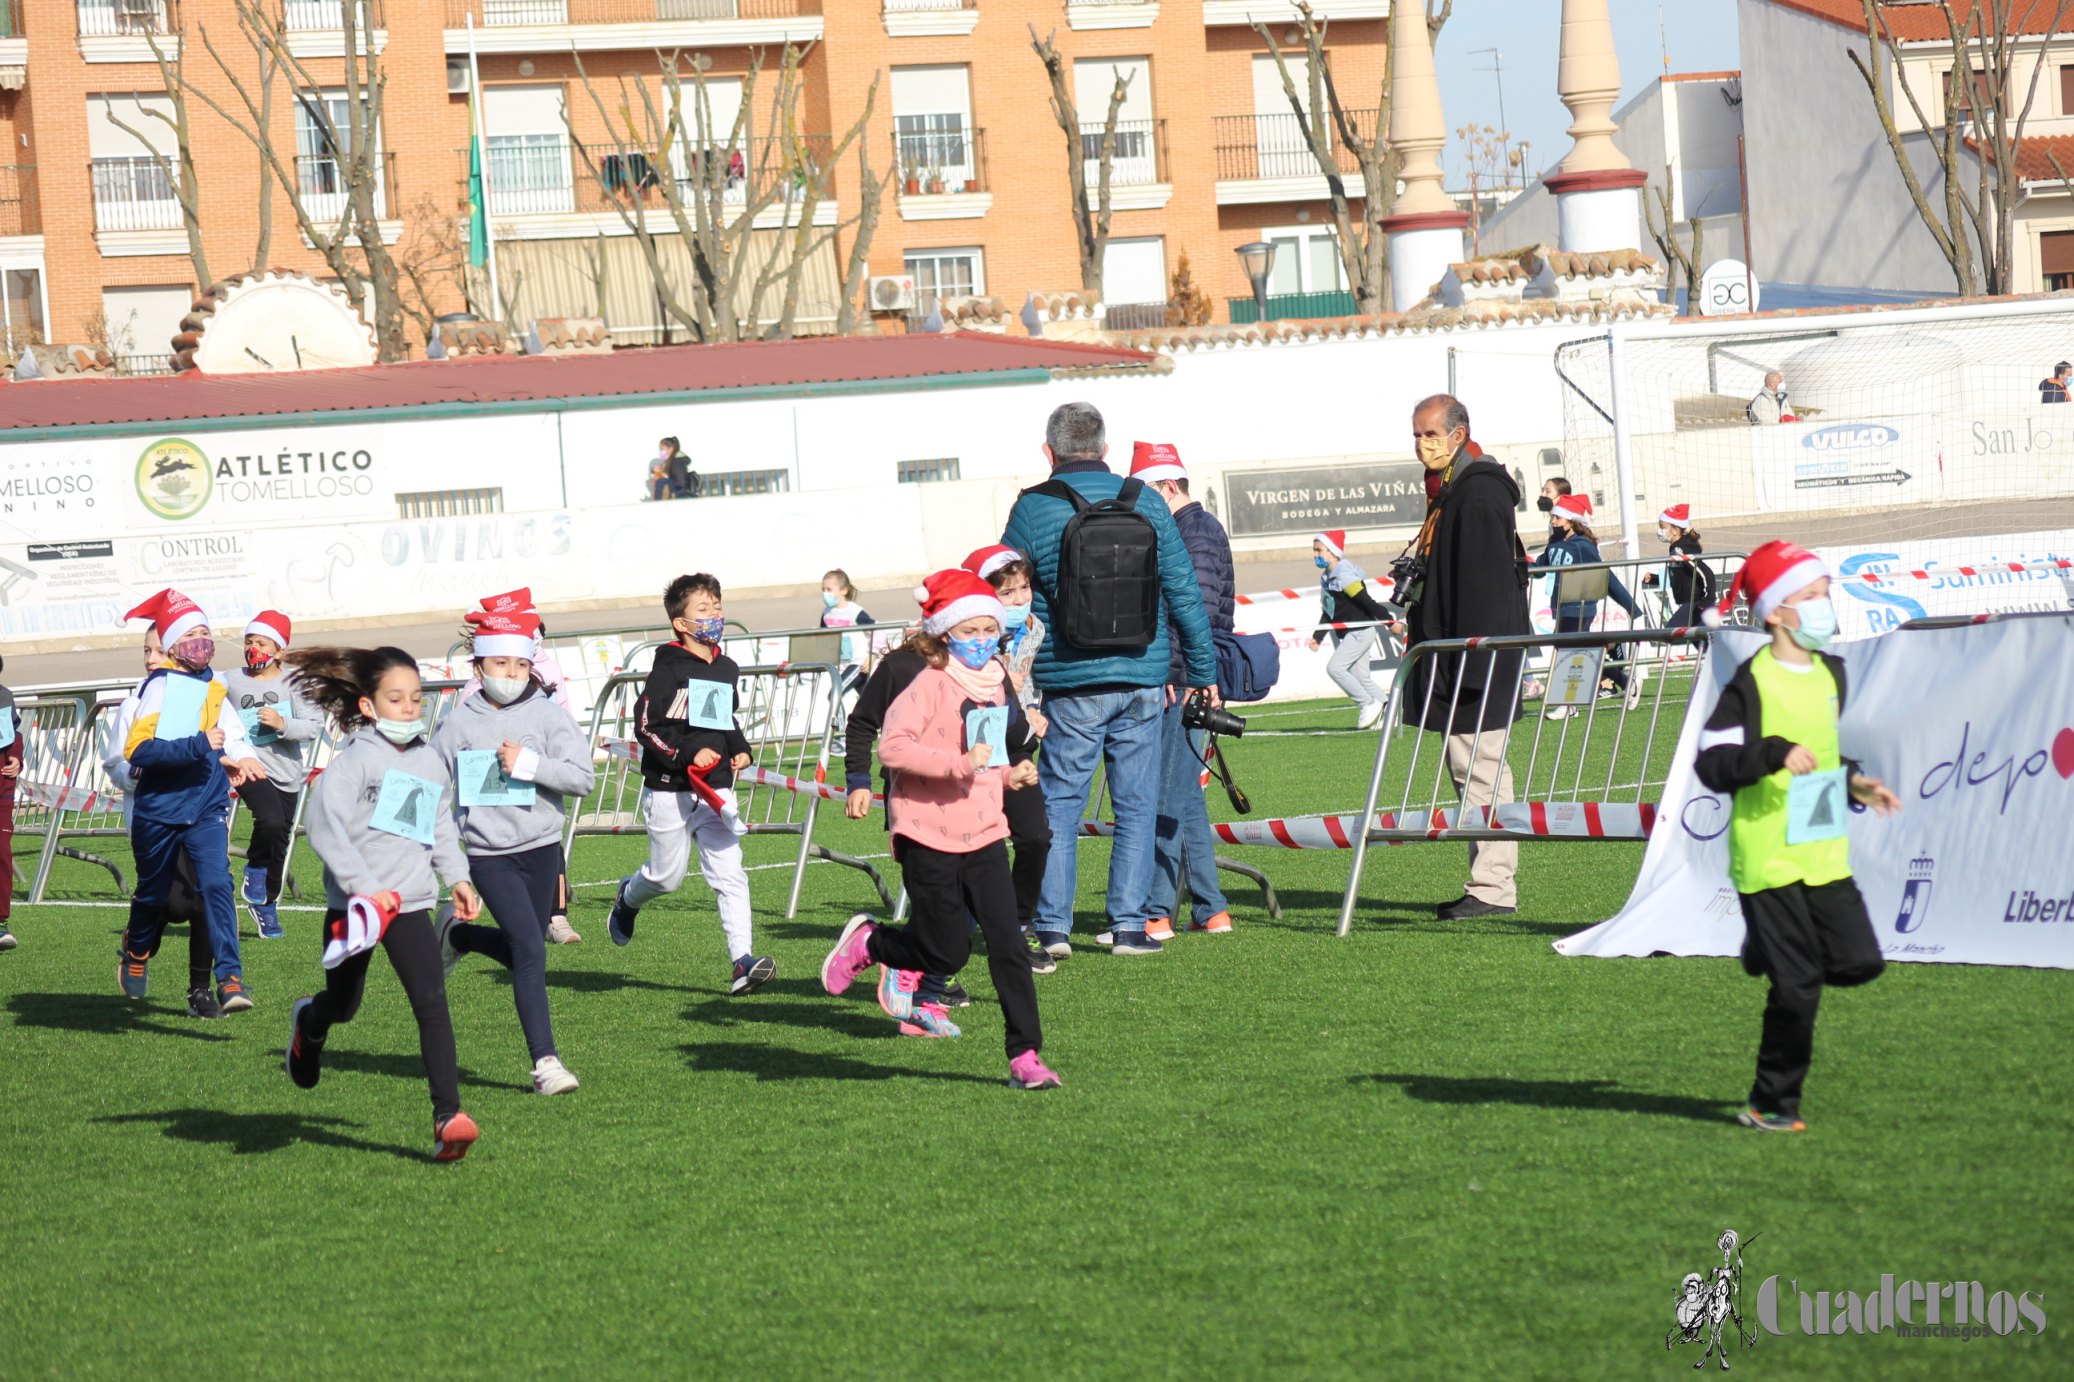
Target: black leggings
{"type": "Point", "coordinates": [518, 891]}
{"type": "Point", "coordinates": [1806, 939]}
{"type": "Point", "coordinates": [273, 819]}
{"type": "Point", "coordinates": [184, 903]}
{"type": "Point", "coordinates": [1030, 832]}
{"type": "Point", "coordinates": [944, 890]}
{"type": "Point", "coordinates": [414, 954]}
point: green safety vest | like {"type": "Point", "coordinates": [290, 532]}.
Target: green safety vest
{"type": "Point", "coordinates": [1799, 707]}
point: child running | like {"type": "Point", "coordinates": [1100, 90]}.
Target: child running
{"type": "Point", "coordinates": [1691, 583]}
{"type": "Point", "coordinates": [279, 722]}
{"type": "Point", "coordinates": [691, 748]}
{"type": "Point", "coordinates": [945, 744]}
{"type": "Point", "coordinates": [1572, 543]}
{"type": "Point", "coordinates": [513, 753]}
{"type": "Point", "coordinates": [1344, 598]}
{"type": "Point", "coordinates": [1772, 743]}
{"type": "Point", "coordinates": [381, 818]}
{"type": "Point", "coordinates": [840, 610]}
{"type": "Point", "coordinates": [186, 755]}
{"type": "Point", "coordinates": [10, 774]}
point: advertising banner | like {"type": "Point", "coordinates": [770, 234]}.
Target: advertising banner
{"type": "Point", "coordinates": [1973, 729]}
{"type": "Point", "coordinates": [1850, 465]}
{"type": "Point", "coordinates": [1267, 503]}
{"type": "Point", "coordinates": [1865, 608]}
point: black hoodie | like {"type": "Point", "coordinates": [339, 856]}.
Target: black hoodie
{"type": "Point", "coordinates": [668, 740]}
{"type": "Point", "coordinates": [1476, 587]}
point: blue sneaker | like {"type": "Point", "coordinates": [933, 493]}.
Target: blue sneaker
{"type": "Point", "coordinates": [750, 972]}
{"type": "Point", "coordinates": [269, 919]}
{"type": "Point", "coordinates": [897, 991]}
{"type": "Point", "coordinates": [254, 889]}
{"type": "Point", "coordinates": [930, 1020]}
{"type": "Point", "coordinates": [133, 973]}
{"type": "Point", "coordinates": [621, 923]}
{"type": "Point", "coordinates": [1135, 943]}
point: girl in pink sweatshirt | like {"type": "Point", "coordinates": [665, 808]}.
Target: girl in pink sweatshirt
{"type": "Point", "coordinates": [946, 743]}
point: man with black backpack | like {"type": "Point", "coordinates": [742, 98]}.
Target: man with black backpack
{"type": "Point", "coordinates": [1115, 586]}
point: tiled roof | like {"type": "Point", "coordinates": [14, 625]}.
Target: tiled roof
{"type": "Point", "coordinates": [2035, 155]}
{"type": "Point", "coordinates": [1919, 22]}
{"type": "Point", "coordinates": [493, 380]}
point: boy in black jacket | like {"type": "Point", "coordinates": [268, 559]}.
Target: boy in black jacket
{"type": "Point", "coordinates": [1772, 744]}
{"type": "Point", "coordinates": [691, 748]}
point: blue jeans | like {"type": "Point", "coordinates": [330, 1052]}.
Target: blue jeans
{"type": "Point", "coordinates": [1183, 847]}
{"type": "Point", "coordinates": [206, 844]}
{"type": "Point", "coordinates": [1119, 729]}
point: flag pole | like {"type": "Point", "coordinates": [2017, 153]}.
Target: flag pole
{"type": "Point", "coordinates": [482, 154]}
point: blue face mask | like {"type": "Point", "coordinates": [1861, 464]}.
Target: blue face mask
{"type": "Point", "coordinates": [974, 652]}
{"type": "Point", "coordinates": [829, 599]}
{"type": "Point", "coordinates": [1014, 616]}
{"type": "Point", "coordinates": [1817, 624]}
{"type": "Point", "coordinates": [1322, 563]}
{"type": "Point", "coordinates": [709, 631]}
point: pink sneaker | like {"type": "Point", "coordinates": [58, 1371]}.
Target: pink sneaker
{"type": "Point", "coordinates": [1028, 1072]}
{"type": "Point", "coordinates": [851, 956]}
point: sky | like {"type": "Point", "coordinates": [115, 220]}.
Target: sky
{"type": "Point", "coordinates": [1701, 35]}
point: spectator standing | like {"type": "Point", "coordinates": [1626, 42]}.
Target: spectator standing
{"type": "Point", "coordinates": [1769, 407]}
{"type": "Point", "coordinates": [2053, 389]}
{"type": "Point", "coordinates": [1183, 852]}
{"type": "Point", "coordinates": [1104, 689]}
{"type": "Point", "coordinates": [1474, 584]}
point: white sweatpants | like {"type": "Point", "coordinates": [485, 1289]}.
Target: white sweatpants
{"type": "Point", "coordinates": [675, 819]}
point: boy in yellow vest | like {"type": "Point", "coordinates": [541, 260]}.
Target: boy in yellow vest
{"type": "Point", "coordinates": [1771, 743]}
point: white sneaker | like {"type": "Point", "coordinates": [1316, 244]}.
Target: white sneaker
{"type": "Point", "coordinates": [550, 1076]}
{"type": "Point", "coordinates": [443, 924]}
{"type": "Point", "coordinates": [560, 932]}
{"type": "Point", "coordinates": [1636, 677]}
{"type": "Point", "coordinates": [1562, 712]}
{"type": "Point", "coordinates": [1105, 938]}
{"type": "Point", "coordinates": [1370, 715]}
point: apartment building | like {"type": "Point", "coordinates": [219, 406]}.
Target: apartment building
{"type": "Point", "coordinates": [1207, 156]}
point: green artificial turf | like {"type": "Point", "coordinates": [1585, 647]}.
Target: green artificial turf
{"type": "Point", "coordinates": [1428, 1150]}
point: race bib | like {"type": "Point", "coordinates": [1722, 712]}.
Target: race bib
{"type": "Point", "coordinates": [1818, 806]}
{"type": "Point", "coordinates": [407, 806]}
{"type": "Point", "coordinates": [482, 781]}
{"type": "Point", "coordinates": [988, 724]}
{"type": "Point", "coordinates": [256, 732]}
{"type": "Point", "coordinates": [180, 708]}
{"type": "Point", "coordinates": [708, 705]}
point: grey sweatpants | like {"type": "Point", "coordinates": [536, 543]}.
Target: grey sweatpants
{"type": "Point", "coordinates": [1349, 667]}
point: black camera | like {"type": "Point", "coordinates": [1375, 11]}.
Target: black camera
{"type": "Point", "coordinates": [1200, 714]}
{"type": "Point", "coordinates": [1408, 580]}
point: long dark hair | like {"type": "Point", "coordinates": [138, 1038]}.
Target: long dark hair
{"type": "Point", "coordinates": [334, 679]}
{"type": "Point", "coordinates": [934, 650]}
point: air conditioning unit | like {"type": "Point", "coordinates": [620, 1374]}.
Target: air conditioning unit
{"type": "Point", "coordinates": [892, 292]}
{"type": "Point", "coordinates": [457, 78]}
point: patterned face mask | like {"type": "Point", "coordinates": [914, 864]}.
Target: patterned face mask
{"type": "Point", "coordinates": [195, 652]}
{"type": "Point", "coordinates": [709, 631]}
{"type": "Point", "coordinates": [974, 652]}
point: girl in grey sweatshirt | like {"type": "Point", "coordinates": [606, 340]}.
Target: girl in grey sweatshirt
{"type": "Point", "coordinates": [514, 754]}
{"type": "Point", "coordinates": [381, 818]}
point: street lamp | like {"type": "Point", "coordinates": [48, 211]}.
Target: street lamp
{"type": "Point", "coordinates": [1259, 259]}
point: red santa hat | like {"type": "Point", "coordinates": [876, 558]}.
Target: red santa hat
{"type": "Point", "coordinates": [1676, 516]}
{"type": "Point", "coordinates": [172, 614]}
{"type": "Point", "coordinates": [269, 623]}
{"type": "Point", "coordinates": [949, 598]}
{"type": "Point", "coordinates": [1156, 460]}
{"type": "Point", "coordinates": [1335, 540]}
{"type": "Point", "coordinates": [1769, 575]}
{"type": "Point", "coordinates": [518, 601]}
{"type": "Point", "coordinates": [505, 635]}
{"type": "Point", "coordinates": [1575, 507]}
{"type": "Point", "coordinates": [987, 560]}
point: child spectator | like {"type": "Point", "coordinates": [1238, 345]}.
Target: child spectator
{"type": "Point", "coordinates": [691, 748]}
{"type": "Point", "coordinates": [1772, 742]}
{"type": "Point", "coordinates": [840, 610]}
{"type": "Point", "coordinates": [278, 722]}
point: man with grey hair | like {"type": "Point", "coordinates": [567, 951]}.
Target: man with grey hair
{"type": "Point", "coordinates": [1105, 697]}
{"type": "Point", "coordinates": [1473, 585]}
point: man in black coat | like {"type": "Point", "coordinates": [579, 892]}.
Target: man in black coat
{"type": "Point", "coordinates": [1475, 586]}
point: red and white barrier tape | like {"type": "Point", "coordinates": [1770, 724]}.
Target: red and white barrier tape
{"type": "Point", "coordinates": [629, 751]}
{"type": "Point", "coordinates": [1992, 569]}
{"type": "Point", "coordinates": [54, 796]}
{"type": "Point", "coordinates": [1532, 820]}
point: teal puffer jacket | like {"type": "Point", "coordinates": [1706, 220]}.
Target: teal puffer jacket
{"type": "Point", "coordinates": [1036, 526]}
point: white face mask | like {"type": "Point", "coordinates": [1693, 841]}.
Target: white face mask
{"type": "Point", "coordinates": [399, 731]}
{"type": "Point", "coordinates": [505, 690]}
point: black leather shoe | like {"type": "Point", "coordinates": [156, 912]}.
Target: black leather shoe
{"type": "Point", "coordinates": [1465, 907]}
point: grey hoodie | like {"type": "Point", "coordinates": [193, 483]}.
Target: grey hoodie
{"type": "Point", "coordinates": [361, 860]}
{"type": "Point", "coordinates": [555, 759]}
{"type": "Point", "coordinates": [301, 723]}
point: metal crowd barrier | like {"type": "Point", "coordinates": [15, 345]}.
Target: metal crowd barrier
{"type": "Point", "coordinates": [56, 735]}
{"type": "Point", "coordinates": [787, 715]}
{"type": "Point", "coordinates": [1569, 758]}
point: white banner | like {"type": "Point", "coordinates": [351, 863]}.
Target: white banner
{"type": "Point", "coordinates": [1849, 465]}
{"type": "Point", "coordinates": [1865, 608]}
{"type": "Point", "coordinates": [1973, 728]}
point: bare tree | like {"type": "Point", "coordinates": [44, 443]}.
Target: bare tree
{"type": "Point", "coordinates": [857, 263]}
{"type": "Point", "coordinates": [1484, 149]}
{"type": "Point", "coordinates": [432, 261]}
{"type": "Point", "coordinates": [177, 167]}
{"type": "Point", "coordinates": [1982, 129]}
{"type": "Point", "coordinates": [1327, 124]}
{"type": "Point", "coordinates": [1090, 220]}
{"type": "Point", "coordinates": [1677, 255]}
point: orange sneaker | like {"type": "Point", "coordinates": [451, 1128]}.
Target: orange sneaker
{"type": "Point", "coordinates": [1159, 929]}
{"type": "Point", "coordinates": [454, 1137]}
{"type": "Point", "coordinates": [1219, 925]}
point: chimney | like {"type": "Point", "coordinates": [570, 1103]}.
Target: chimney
{"type": "Point", "coordinates": [1597, 191]}
{"type": "Point", "coordinates": [1424, 224]}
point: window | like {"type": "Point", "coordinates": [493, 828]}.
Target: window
{"type": "Point", "coordinates": [1983, 95]}
{"type": "Point", "coordinates": [2067, 90]}
{"type": "Point", "coordinates": [323, 138]}
{"type": "Point", "coordinates": [1279, 143]}
{"type": "Point", "coordinates": [526, 150]}
{"type": "Point", "coordinates": [1306, 261]}
{"type": "Point", "coordinates": [449, 503]}
{"type": "Point", "coordinates": [945, 274]}
{"type": "Point", "coordinates": [744, 482]}
{"type": "Point", "coordinates": [932, 115]}
{"type": "Point", "coordinates": [132, 189]}
{"type": "Point", "coordinates": [140, 324]}
{"type": "Point", "coordinates": [927, 472]}
{"type": "Point", "coordinates": [2056, 259]}
{"type": "Point", "coordinates": [1133, 157]}
{"type": "Point", "coordinates": [1134, 283]}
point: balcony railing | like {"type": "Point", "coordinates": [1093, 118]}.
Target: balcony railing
{"type": "Point", "coordinates": [1295, 306]}
{"type": "Point", "coordinates": [550, 177]}
{"type": "Point", "coordinates": [901, 6]}
{"type": "Point", "coordinates": [499, 13]}
{"type": "Point", "coordinates": [1134, 316]}
{"type": "Point", "coordinates": [109, 18]}
{"type": "Point", "coordinates": [942, 161]}
{"type": "Point", "coordinates": [19, 214]}
{"type": "Point", "coordinates": [137, 193]}
{"type": "Point", "coordinates": [321, 187]}
{"type": "Point", "coordinates": [135, 365]}
{"type": "Point", "coordinates": [327, 16]}
{"type": "Point", "coordinates": [1137, 156]}
{"type": "Point", "coordinates": [1273, 146]}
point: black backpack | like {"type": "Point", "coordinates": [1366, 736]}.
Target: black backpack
{"type": "Point", "coordinates": [1107, 593]}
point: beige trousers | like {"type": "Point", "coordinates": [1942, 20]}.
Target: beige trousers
{"type": "Point", "coordinates": [1485, 781]}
